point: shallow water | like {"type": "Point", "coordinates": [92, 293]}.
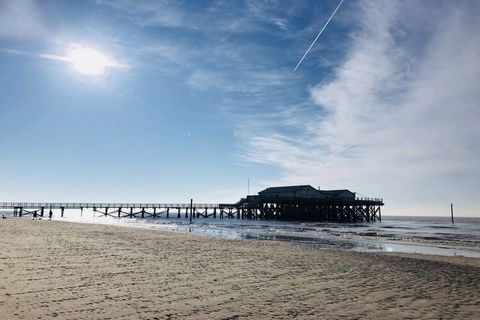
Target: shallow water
{"type": "Point", "coordinates": [425, 235]}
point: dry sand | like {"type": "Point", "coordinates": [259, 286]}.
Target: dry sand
{"type": "Point", "coordinates": [51, 269]}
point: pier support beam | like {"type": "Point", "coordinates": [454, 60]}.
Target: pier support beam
{"type": "Point", "coordinates": [191, 210]}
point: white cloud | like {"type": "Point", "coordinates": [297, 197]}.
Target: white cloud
{"type": "Point", "coordinates": [400, 116]}
{"type": "Point", "coordinates": [244, 81]}
{"type": "Point", "coordinates": [150, 13]}
{"type": "Point", "coordinates": [21, 19]}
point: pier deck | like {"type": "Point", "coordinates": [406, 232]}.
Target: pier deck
{"type": "Point", "coordinates": [357, 210]}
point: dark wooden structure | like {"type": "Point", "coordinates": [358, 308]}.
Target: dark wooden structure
{"type": "Point", "coordinates": [278, 203]}
{"type": "Point", "coordinates": [306, 203]}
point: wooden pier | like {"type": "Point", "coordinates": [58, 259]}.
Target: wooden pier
{"type": "Point", "coordinates": [302, 203]}
{"type": "Point", "coordinates": [126, 210]}
{"type": "Point", "coordinates": [360, 210]}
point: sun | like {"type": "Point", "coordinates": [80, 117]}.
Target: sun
{"type": "Point", "coordinates": [89, 61]}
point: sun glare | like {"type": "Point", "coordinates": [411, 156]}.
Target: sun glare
{"type": "Point", "coordinates": [89, 61]}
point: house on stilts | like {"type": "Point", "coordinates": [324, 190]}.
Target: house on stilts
{"type": "Point", "coordinates": [304, 202]}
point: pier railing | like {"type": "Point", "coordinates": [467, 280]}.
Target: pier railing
{"type": "Point", "coordinates": [369, 199]}
{"type": "Point", "coordinates": [86, 205]}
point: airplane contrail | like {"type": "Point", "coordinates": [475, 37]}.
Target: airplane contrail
{"type": "Point", "coordinates": [318, 35]}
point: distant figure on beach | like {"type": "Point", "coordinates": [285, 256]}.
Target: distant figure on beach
{"type": "Point", "coordinates": [34, 215]}
{"type": "Point", "coordinates": [3, 216]}
{"type": "Point", "coordinates": [50, 214]}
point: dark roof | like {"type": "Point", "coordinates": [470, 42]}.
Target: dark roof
{"type": "Point", "coordinates": [285, 189]}
{"type": "Point", "coordinates": [336, 191]}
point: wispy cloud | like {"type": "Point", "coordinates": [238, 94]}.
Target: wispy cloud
{"type": "Point", "coordinates": [21, 19]}
{"type": "Point", "coordinates": [246, 81]}
{"type": "Point", "coordinates": [400, 111]}
{"type": "Point", "coordinates": [110, 62]}
{"type": "Point", "coordinates": [150, 13]}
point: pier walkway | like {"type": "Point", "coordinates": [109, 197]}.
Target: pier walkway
{"type": "Point", "coordinates": [263, 208]}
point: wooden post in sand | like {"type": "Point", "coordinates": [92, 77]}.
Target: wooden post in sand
{"type": "Point", "coordinates": [451, 211]}
{"type": "Point", "coordinates": [191, 210]}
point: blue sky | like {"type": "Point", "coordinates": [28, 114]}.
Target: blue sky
{"type": "Point", "coordinates": [385, 104]}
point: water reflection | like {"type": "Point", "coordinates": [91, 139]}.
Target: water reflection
{"type": "Point", "coordinates": [425, 235]}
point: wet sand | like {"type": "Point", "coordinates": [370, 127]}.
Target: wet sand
{"type": "Point", "coordinates": [51, 269]}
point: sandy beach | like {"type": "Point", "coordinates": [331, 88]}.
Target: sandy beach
{"type": "Point", "coordinates": [51, 269]}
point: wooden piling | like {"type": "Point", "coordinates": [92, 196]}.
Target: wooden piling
{"type": "Point", "coordinates": [451, 211]}
{"type": "Point", "coordinates": [191, 210]}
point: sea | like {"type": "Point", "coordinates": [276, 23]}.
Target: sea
{"type": "Point", "coordinates": [402, 234]}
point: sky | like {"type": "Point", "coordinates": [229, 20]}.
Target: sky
{"type": "Point", "coordinates": [196, 98]}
